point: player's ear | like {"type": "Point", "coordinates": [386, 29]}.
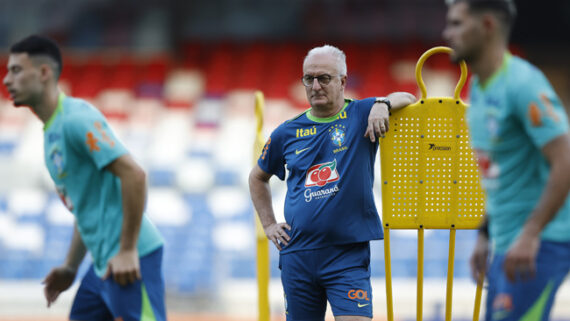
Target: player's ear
{"type": "Point", "coordinates": [46, 72]}
{"type": "Point", "coordinates": [343, 80]}
{"type": "Point", "coordinates": [490, 23]}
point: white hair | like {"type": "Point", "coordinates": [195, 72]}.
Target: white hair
{"type": "Point", "coordinates": [333, 51]}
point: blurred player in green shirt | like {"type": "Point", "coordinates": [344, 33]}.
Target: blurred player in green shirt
{"type": "Point", "coordinates": [519, 131]}
{"type": "Point", "coordinates": [104, 188]}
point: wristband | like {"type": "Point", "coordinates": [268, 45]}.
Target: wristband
{"type": "Point", "coordinates": [386, 101]}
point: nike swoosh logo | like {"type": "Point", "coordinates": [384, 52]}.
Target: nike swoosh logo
{"type": "Point", "coordinates": [362, 305]}
{"type": "Point", "coordinates": [299, 151]}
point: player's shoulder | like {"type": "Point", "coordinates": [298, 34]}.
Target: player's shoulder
{"type": "Point", "coordinates": [296, 119]}
{"type": "Point", "coordinates": [78, 111]}
{"type": "Point", "coordinates": [521, 71]}
{"type": "Point", "coordinates": [289, 128]}
{"type": "Point", "coordinates": [359, 107]}
{"type": "Point", "coordinates": [365, 103]}
{"type": "Point", "coordinates": [77, 108]}
{"type": "Point", "coordinates": [292, 123]}
{"type": "Point", "coordinates": [525, 79]}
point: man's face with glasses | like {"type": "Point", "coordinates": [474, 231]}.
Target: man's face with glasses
{"type": "Point", "coordinates": [323, 84]}
{"type": "Point", "coordinates": [323, 80]}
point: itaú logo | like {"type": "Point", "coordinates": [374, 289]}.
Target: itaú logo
{"type": "Point", "coordinates": [358, 294]}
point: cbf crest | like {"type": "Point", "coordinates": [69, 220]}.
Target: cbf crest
{"type": "Point", "coordinates": [492, 123]}
{"type": "Point", "coordinates": [56, 158]}
{"type": "Point", "coordinates": [337, 134]}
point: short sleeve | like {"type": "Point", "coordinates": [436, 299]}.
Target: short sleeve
{"type": "Point", "coordinates": [90, 134]}
{"type": "Point", "coordinates": [363, 108]}
{"type": "Point", "coordinates": [272, 160]}
{"type": "Point", "coordinates": [539, 109]}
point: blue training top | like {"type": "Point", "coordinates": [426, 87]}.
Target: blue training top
{"type": "Point", "coordinates": [329, 189]}
{"type": "Point", "coordinates": [78, 144]}
{"type": "Point", "coordinates": [511, 118]}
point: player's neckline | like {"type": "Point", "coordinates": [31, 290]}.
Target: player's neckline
{"type": "Point", "coordinates": [327, 119]}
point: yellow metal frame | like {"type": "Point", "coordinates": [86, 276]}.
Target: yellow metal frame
{"type": "Point", "coordinates": [430, 178]}
{"type": "Point", "coordinates": [262, 242]}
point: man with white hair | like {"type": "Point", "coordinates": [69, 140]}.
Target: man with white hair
{"type": "Point", "coordinates": [329, 151]}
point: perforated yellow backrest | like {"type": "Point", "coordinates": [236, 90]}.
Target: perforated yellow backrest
{"type": "Point", "coordinates": [429, 175]}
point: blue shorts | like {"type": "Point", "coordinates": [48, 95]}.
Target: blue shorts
{"type": "Point", "coordinates": [101, 300]}
{"type": "Point", "coordinates": [531, 299]}
{"type": "Point", "coordinates": [339, 274]}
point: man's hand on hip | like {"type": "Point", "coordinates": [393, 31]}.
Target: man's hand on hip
{"type": "Point", "coordinates": [520, 260]}
{"type": "Point", "coordinates": [276, 233]}
{"type": "Point", "coordinates": [124, 267]}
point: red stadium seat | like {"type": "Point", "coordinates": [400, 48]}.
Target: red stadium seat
{"type": "Point", "coordinates": [124, 74]}
{"type": "Point", "coordinates": [90, 78]}
{"type": "Point", "coordinates": [250, 72]}
{"type": "Point", "coordinates": [155, 69]}
{"type": "Point", "coordinates": [219, 71]}
{"type": "Point", "coordinates": [3, 63]}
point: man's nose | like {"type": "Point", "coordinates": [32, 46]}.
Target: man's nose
{"type": "Point", "coordinates": [316, 84]}
{"type": "Point", "coordinates": [6, 80]}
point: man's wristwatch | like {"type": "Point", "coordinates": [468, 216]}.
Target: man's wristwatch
{"type": "Point", "coordinates": [385, 101]}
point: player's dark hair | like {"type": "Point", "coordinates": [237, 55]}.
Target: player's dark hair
{"type": "Point", "coordinates": [36, 46]}
{"type": "Point", "coordinates": [505, 10]}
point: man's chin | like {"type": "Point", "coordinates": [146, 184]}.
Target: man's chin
{"type": "Point", "coordinates": [20, 103]}
{"type": "Point", "coordinates": [455, 58]}
{"type": "Point", "coordinates": [319, 102]}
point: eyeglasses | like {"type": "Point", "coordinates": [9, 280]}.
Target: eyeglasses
{"type": "Point", "coordinates": [323, 80]}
